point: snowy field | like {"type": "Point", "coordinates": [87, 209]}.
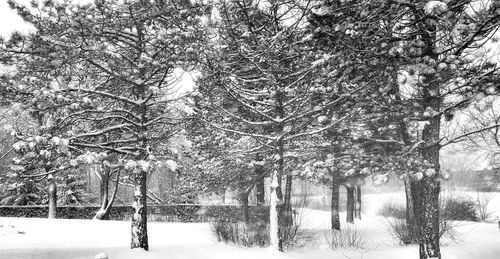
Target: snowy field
{"type": "Point", "coordinates": [62, 238]}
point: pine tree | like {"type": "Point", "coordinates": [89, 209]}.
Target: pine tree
{"type": "Point", "coordinates": [430, 45]}
{"type": "Point", "coordinates": [115, 76]}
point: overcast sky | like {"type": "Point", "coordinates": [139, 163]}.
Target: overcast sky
{"type": "Point", "coordinates": [10, 21]}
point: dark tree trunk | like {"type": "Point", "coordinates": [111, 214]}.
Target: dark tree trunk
{"type": "Point", "coordinates": [276, 241]}
{"type": "Point", "coordinates": [410, 216]}
{"type": "Point", "coordinates": [425, 192]}
{"type": "Point", "coordinates": [350, 204]}
{"type": "Point", "coordinates": [358, 202]}
{"type": "Point", "coordinates": [335, 217]}
{"type": "Point", "coordinates": [244, 207]}
{"type": "Point", "coordinates": [259, 185]}
{"type": "Point", "coordinates": [52, 193]}
{"type": "Point", "coordinates": [139, 218]}
{"type": "Point", "coordinates": [287, 205]}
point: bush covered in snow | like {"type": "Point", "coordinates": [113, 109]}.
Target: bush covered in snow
{"type": "Point", "coordinates": [252, 234]}
{"type": "Point", "coordinates": [406, 235]}
{"type": "Point", "coordinates": [459, 208]}
{"type": "Point", "coordinates": [452, 208]}
{"type": "Point", "coordinates": [350, 237]}
{"type": "Point", "coordinates": [256, 232]}
{"type": "Point", "coordinates": [392, 209]}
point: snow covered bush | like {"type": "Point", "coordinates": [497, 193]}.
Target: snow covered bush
{"type": "Point", "coordinates": [350, 237]}
{"type": "Point", "coordinates": [404, 235]}
{"type": "Point", "coordinates": [295, 236]}
{"type": "Point", "coordinates": [459, 208]}
{"type": "Point", "coordinates": [483, 200]}
{"type": "Point", "coordinates": [392, 209]}
{"type": "Point", "coordinates": [400, 231]}
{"type": "Point", "coordinates": [452, 208]}
{"type": "Point", "coordinates": [256, 232]}
{"type": "Point", "coordinates": [249, 235]}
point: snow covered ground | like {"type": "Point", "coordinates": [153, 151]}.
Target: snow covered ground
{"type": "Point", "coordinates": [43, 239]}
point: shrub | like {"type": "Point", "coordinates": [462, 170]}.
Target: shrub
{"type": "Point", "coordinates": [483, 200]}
{"type": "Point", "coordinates": [392, 209]}
{"type": "Point", "coordinates": [404, 235]}
{"type": "Point", "coordinates": [295, 236]}
{"type": "Point", "coordinates": [256, 232]}
{"type": "Point", "coordinates": [400, 232]}
{"type": "Point", "coordinates": [350, 237]}
{"type": "Point", "coordinates": [451, 208]}
{"type": "Point", "coordinates": [253, 234]}
{"type": "Point", "coordinates": [459, 208]}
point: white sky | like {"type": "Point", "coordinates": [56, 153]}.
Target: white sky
{"type": "Point", "coordinates": [10, 21]}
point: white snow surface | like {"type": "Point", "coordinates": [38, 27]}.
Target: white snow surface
{"type": "Point", "coordinates": [84, 239]}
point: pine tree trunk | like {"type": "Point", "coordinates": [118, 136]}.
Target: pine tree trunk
{"type": "Point", "coordinates": [244, 207]}
{"type": "Point", "coordinates": [287, 205]}
{"type": "Point", "coordinates": [335, 217]}
{"type": "Point", "coordinates": [350, 204]}
{"type": "Point", "coordinates": [275, 241]}
{"type": "Point", "coordinates": [410, 216]}
{"type": "Point", "coordinates": [425, 195]}
{"type": "Point", "coordinates": [276, 202]}
{"type": "Point", "coordinates": [426, 191]}
{"type": "Point", "coordinates": [259, 185]}
{"type": "Point", "coordinates": [104, 191]}
{"type": "Point", "coordinates": [106, 202]}
{"type": "Point", "coordinates": [139, 218]}
{"type": "Point", "coordinates": [358, 201]}
{"type": "Point", "coordinates": [52, 193]}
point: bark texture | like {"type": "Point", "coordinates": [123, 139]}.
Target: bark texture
{"type": "Point", "coordinates": [426, 191]}
{"type": "Point", "coordinates": [274, 237]}
{"type": "Point", "coordinates": [335, 217]}
{"type": "Point", "coordinates": [244, 207]}
{"type": "Point", "coordinates": [139, 219]}
{"type": "Point", "coordinates": [106, 201]}
{"type": "Point", "coordinates": [287, 205]}
{"type": "Point", "coordinates": [357, 209]}
{"type": "Point", "coordinates": [425, 195]}
{"type": "Point", "coordinates": [410, 216]}
{"type": "Point", "coordinates": [276, 241]}
{"type": "Point", "coordinates": [350, 204]}
{"type": "Point", "coordinates": [259, 185]}
{"type": "Point", "coordinates": [52, 193]}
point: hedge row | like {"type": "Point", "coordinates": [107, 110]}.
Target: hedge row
{"type": "Point", "coordinates": [161, 213]}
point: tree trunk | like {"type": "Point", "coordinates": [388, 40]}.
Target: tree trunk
{"type": "Point", "coordinates": [287, 205]}
{"type": "Point", "coordinates": [275, 241]}
{"type": "Point", "coordinates": [259, 185]}
{"type": "Point", "coordinates": [139, 218]}
{"type": "Point", "coordinates": [244, 207]}
{"type": "Point", "coordinates": [425, 194]}
{"type": "Point", "coordinates": [335, 217]}
{"type": "Point", "coordinates": [104, 190]}
{"type": "Point", "coordinates": [52, 193]}
{"type": "Point", "coordinates": [224, 196]}
{"type": "Point", "coordinates": [350, 204]}
{"type": "Point", "coordinates": [410, 216]}
{"type": "Point", "coordinates": [358, 201]}
{"type": "Point", "coordinates": [106, 202]}
{"type": "Point", "coordinates": [426, 191]}
{"type": "Point", "coordinates": [276, 202]}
